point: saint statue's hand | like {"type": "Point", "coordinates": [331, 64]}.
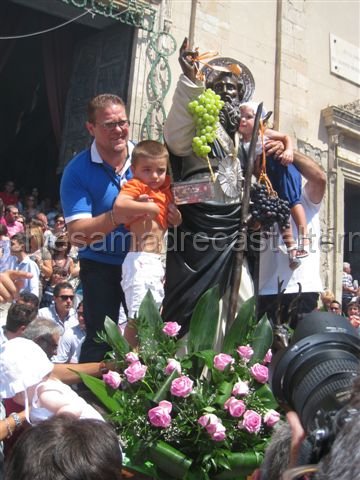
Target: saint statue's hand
{"type": "Point", "coordinates": [187, 60]}
{"type": "Point", "coordinates": [174, 217]}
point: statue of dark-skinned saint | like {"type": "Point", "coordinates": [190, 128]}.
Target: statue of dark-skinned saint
{"type": "Point", "coordinates": [201, 250]}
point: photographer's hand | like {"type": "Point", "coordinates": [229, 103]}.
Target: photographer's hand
{"type": "Point", "coordinates": [297, 437]}
{"type": "Point", "coordinates": [355, 321]}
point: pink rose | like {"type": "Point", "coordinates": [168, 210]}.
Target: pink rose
{"type": "Point", "coordinates": [213, 426]}
{"type": "Point", "coordinates": [171, 328]}
{"type": "Point", "coordinates": [260, 373]}
{"type": "Point", "coordinates": [160, 416]}
{"type": "Point", "coordinates": [135, 372]}
{"type": "Point", "coordinates": [271, 417]}
{"type": "Point", "coordinates": [268, 356]}
{"type": "Point", "coordinates": [181, 387]}
{"type": "Point", "coordinates": [219, 434]}
{"type": "Point", "coordinates": [251, 421]}
{"type": "Point", "coordinates": [245, 352]}
{"type": "Point", "coordinates": [222, 360]}
{"type": "Point", "coordinates": [209, 421]}
{"type": "Point", "coordinates": [172, 365]}
{"type": "Point", "coordinates": [240, 388]}
{"type": "Point", "coordinates": [112, 379]}
{"type": "Point", "coordinates": [236, 407]}
{"type": "Point", "coordinates": [131, 357]}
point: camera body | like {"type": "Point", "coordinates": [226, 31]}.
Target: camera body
{"type": "Point", "coordinates": [314, 377]}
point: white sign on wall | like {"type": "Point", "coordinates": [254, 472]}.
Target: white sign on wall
{"type": "Point", "coordinates": [344, 59]}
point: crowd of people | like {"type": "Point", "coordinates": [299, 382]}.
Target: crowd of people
{"type": "Point", "coordinates": [63, 269]}
{"type": "Point", "coordinates": [349, 306]}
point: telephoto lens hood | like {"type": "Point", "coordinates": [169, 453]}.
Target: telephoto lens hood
{"type": "Point", "coordinates": [314, 374]}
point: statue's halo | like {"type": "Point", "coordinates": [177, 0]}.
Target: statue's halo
{"type": "Point", "coordinates": [245, 77]}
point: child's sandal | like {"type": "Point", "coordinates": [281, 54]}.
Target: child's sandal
{"type": "Point", "coordinates": [303, 250]}
{"type": "Point", "coordinates": [294, 261]}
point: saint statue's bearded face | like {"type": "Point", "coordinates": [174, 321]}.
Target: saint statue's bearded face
{"type": "Point", "coordinates": [231, 91]}
{"type": "Point", "coordinates": [229, 117]}
{"type": "Point", "coordinates": [226, 86]}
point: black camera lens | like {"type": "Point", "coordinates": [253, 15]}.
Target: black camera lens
{"type": "Point", "coordinates": [315, 373]}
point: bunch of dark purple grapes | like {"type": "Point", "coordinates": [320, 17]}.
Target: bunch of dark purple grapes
{"type": "Point", "coordinates": [268, 209]}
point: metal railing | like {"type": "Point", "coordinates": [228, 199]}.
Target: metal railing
{"type": "Point", "coordinates": [136, 13]}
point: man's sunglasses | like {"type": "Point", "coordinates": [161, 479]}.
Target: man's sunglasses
{"type": "Point", "coordinates": [66, 297]}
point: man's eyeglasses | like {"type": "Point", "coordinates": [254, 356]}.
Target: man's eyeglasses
{"type": "Point", "coordinates": [66, 297]}
{"type": "Point", "coordinates": [113, 125]}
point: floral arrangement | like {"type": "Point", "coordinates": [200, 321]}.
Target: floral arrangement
{"type": "Point", "coordinates": [196, 415]}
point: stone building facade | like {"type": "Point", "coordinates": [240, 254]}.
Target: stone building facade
{"type": "Point", "coordinates": [305, 58]}
{"type": "Point", "coordinates": [303, 54]}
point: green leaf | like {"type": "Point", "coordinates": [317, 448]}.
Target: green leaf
{"type": "Point", "coordinates": [209, 409]}
{"type": "Point", "coordinates": [161, 393]}
{"type": "Point", "coordinates": [149, 322]}
{"type": "Point", "coordinates": [197, 474]}
{"type": "Point", "coordinates": [261, 340]}
{"type": "Point", "coordinates": [186, 363]}
{"type": "Point", "coordinates": [170, 460]}
{"type": "Point", "coordinates": [239, 330]}
{"type": "Point", "coordinates": [114, 338]}
{"type": "Point", "coordinates": [207, 356]}
{"type": "Point", "coordinates": [104, 393]}
{"type": "Point", "coordinates": [224, 392]}
{"type": "Point", "coordinates": [241, 465]}
{"type": "Point", "coordinates": [266, 396]}
{"type": "Point", "coordinates": [146, 468]}
{"type": "Point", "coordinates": [204, 321]}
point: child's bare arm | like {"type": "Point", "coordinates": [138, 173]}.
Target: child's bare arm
{"type": "Point", "coordinates": [131, 207]}
{"type": "Point", "coordinates": [288, 154]}
{"type": "Point", "coordinates": [53, 399]}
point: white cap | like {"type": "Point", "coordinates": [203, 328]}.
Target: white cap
{"type": "Point", "coordinates": [254, 107]}
{"type": "Point", "coordinates": [22, 364]}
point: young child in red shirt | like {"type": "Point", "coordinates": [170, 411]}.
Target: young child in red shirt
{"type": "Point", "coordinates": [143, 268]}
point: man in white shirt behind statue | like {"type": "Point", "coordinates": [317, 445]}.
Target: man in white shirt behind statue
{"type": "Point", "coordinates": [274, 265]}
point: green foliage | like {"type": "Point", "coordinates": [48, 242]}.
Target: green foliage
{"type": "Point", "coordinates": [169, 459]}
{"type": "Point", "coordinates": [104, 393]}
{"type": "Point", "coordinates": [114, 338]}
{"type": "Point", "coordinates": [184, 449]}
{"type": "Point", "coordinates": [165, 387]}
{"type": "Point", "coordinates": [204, 320]}
{"type": "Point", "coordinates": [241, 327]}
{"type": "Point", "coordinates": [262, 337]}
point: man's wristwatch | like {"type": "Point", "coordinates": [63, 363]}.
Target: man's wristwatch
{"type": "Point", "coordinates": [16, 419]}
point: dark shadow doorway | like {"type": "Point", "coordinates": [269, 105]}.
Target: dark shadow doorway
{"type": "Point", "coordinates": [29, 149]}
{"type": "Point", "coordinates": [352, 228]}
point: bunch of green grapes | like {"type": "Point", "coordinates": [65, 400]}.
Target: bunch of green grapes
{"type": "Point", "coordinates": [205, 111]}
